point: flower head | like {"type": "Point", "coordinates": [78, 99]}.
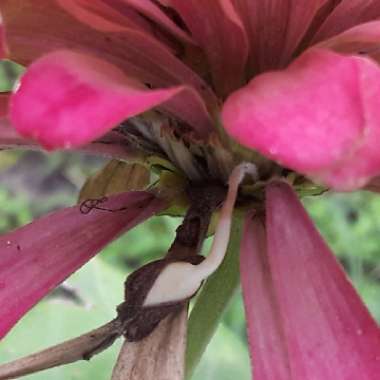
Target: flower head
{"type": "Point", "coordinates": [200, 87]}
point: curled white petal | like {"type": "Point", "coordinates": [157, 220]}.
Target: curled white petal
{"type": "Point", "coordinates": [181, 280]}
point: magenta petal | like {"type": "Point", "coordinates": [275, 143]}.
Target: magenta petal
{"type": "Point", "coordinates": [37, 257]}
{"type": "Point", "coordinates": [150, 10]}
{"type": "Point", "coordinates": [222, 37]}
{"type": "Point", "coordinates": [3, 48]}
{"type": "Point", "coordinates": [9, 138]}
{"type": "Point", "coordinates": [267, 347]}
{"type": "Point", "coordinates": [347, 14]}
{"type": "Point", "coordinates": [320, 117]}
{"type": "Point", "coordinates": [112, 145]}
{"type": "Point", "coordinates": [275, 28]}
{"type": "Point", "coordinates": [34, 28]}
{"type": "Point", "coordinates": [306, 320]}
{"type": "Point", "coordinates": [361, 39]}
{"type": "Point", "coordinates": [67, 99]}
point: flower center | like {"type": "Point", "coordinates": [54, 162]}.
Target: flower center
{"type": "Point", "coordinates": [168, 146]}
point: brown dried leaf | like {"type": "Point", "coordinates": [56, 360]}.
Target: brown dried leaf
{"type": "Point", "coordinates": [116, 177]}
{"type": "Point", "coordinates": [160, 356]}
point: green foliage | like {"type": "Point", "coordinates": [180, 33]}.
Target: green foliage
{"type": "Point", "coordinates": [213, 301]}
{"type": "Point", "coordinates": [349, 222]}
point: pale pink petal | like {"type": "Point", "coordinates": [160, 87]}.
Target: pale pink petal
{"type": "Point", "coordinates": [218, 29]}
{"type": "Point", "coordinates": [275, 28]}
{"type": "Point", "coordinates": [306, 320]}
{"type": "Point", "coordinates": [34, 28]}
{"type": "Point", "coordinates": [67, 99]}
{"type": "Point", "coordinates": [346, 15]}
{"type": "Point", "coordinates": [320, 117]}
{"type": "Point", "coordinates": [37, 257]}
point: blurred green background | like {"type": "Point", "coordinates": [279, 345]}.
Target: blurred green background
{"type": "Point", "coordinates": [33, 183]}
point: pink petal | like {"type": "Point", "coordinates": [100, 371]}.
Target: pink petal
{"type": "Point", "coordinates": [320, 117]}
{"type": "Point", "coordinates": [3, 48]}
{"type": "Point", "coordinates": [114, 16]}
{"type": "Point", "coordinates": [153, 12]}
{"type": "Point", "coordinates": [112, 145]}
{"type": "Point", "coordinates": [67, 99]}
{"type": "Point", "coordinates": [9, 138]}
{"type": "Point", "coordinates": [218, 29]}
{"type": "Point", "coordinates": [102, 16]}
{"type": "Point", "coordinates": [306, 320]}
{"type": "Point", "coordinates": [362, 39]}
{"type": "Point", "coordinates": [34, 28]}
{"type": "Point", "coordinates": [275, 28]}
{"type": "Point", "coordinates": [267, 347]}
{"type": "Point", "coordinates": [37, 257]}
{"type": "Point", "coordinates": [347, 14]}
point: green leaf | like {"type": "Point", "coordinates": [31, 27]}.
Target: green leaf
{"type": "Point", "coordinates": [226, 358]}
{"type": "Point", "coordinates": [213, 300]}
{"type": "Point", "coordinates": [116, 177]}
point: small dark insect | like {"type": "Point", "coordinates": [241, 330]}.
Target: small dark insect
{"type": "Point", "coordinates": [93, 204]}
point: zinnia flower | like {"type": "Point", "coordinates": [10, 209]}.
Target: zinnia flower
{"type": "Point", "coordinates": [202, 86]}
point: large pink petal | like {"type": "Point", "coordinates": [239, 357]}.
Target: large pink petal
{"type": "Point", "coordinates": [218, 29]}
{"type": "Point", "coordinates": [112, 145]}
{"type": "Point", "coordinates": [347, 14]}
{"type": "Point", "coordinates": [37, 257]}
{"type": "Point", "coordinates": [9, 138]}
{"type": "Point", "coordinates": [36, 27]}
{"type": "Point", "coordinates": [67, 99]}
{"type": "Point", "coordinates": [321, 117]}
{"type": "Point", "coordinates": [275, 28]}
{"type": "Point", "coordinates": [306, 320]}
{"type": "Point", "coordinates": [267, 346]}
